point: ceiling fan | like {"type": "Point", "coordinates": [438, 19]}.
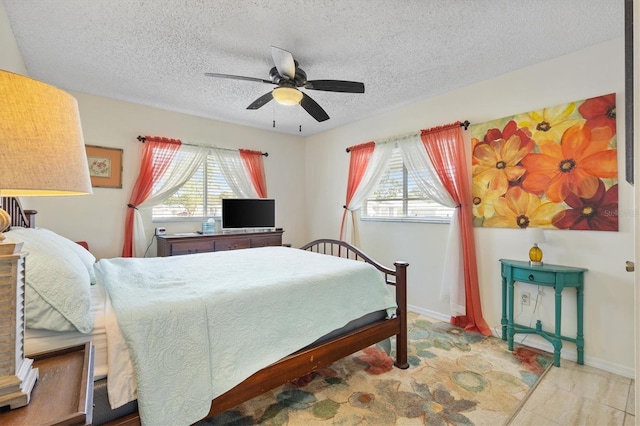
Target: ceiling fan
{"type": "Point", "coordinates": [288, 77]}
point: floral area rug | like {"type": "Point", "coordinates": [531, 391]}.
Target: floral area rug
{"type": "Point", "coordinates": [455, 378]}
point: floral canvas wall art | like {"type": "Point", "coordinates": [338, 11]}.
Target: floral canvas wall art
{"type": "Point", "coordinates": [554, 168]}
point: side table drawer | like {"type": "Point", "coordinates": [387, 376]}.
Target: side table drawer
{"type": "Point", "coordinates": [63, 395]}
{"type": "Point", "coordinates": [525, 276]}
{"type": "Point", "coordinates": [191, 247]}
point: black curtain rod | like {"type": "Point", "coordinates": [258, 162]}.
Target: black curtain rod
{"type": "Point", "coordinates": [143, 139]}
{"type": "Point", "coordinates": [464, 124]}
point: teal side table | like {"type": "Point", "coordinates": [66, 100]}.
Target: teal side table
{"type": "Point", "coordinates": [556, 276]}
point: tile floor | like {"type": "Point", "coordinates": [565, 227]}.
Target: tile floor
{"type": "Point", "coordinates": [579, 395]}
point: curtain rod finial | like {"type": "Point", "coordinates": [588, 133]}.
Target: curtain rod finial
{"type": "Point", "coordinates": [141, 138]}
{"type": "Point", "coordinates": [465, 124]}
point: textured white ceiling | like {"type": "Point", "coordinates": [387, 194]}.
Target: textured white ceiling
{"type": "Point", "coordinates": [155, 52]}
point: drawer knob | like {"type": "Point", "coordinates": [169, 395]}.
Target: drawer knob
{"type": "Point", "coordinates": [531, 277]}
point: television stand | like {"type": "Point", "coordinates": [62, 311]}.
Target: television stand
{"type": "Point", "coordinates": [175, 245]}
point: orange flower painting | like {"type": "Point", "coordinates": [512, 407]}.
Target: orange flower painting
{"type": "Point", "coordinates": [554, 168]}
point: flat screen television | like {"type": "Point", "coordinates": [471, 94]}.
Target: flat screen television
{"type": "Point", "coordinates": [242, 213]}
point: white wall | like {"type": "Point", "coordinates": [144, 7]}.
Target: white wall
{"type": "Point", "coordinates": [609, 309]}
{"type": "Point", "coordinates": [10, 56]}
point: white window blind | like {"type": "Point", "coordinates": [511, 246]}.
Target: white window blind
{"type": "Point", "coordinates": [398, 197]}
{"type": "Point", "coordinates": [199, 198]}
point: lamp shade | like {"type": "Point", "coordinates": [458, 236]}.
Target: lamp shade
{"type": "Point", "coordinates": [287, 95]}
{"type": "Point", "coordinates": [41, 153]}
{"type": "Point", "coordinates": [536, 236]}
{"type": "Point", "coordinates": [41, 144]}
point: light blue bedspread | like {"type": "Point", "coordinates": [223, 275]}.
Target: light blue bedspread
{"type": "Point", "coordinates": [198, 325]}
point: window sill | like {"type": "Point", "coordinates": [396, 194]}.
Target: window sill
{"type": "Point", "coordinates": [180, 219]}
{"type": "Point", "coordinates": [407, 219]}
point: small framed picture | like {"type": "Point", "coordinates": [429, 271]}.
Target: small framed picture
{"type": "Point", "coordinates": [105, 166]}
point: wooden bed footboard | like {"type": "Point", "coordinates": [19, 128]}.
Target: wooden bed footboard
{"type": "Point", "coordinates": [396, 277]}
{"type": "Point", "coordinates": [324, 354]}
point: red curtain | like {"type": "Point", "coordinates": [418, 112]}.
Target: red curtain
{"type": "Point", "coordinates": [358, 162]}
{"type": "Point", "coordinates": [252, 161]}
{"type": "Point", "coordinates": [445, 149]}
{"type": "Point", "coordinates": [156, 157]}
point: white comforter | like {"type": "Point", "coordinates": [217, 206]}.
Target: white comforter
{"type": "Point", "coordinates": [198, 325]}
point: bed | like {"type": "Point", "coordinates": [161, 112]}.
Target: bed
{"type": "Point", "coordinates": [333, 342]}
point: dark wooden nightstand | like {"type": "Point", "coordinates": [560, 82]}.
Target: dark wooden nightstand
{"type": "Point", "coordinates": [63, 395]}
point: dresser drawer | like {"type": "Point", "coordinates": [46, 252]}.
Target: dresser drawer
{"type": "Point", "coordinates": [232, 244]}
{"type": "Point", "coordinates": [172, 245]}
{"type": "Point", "coordinates": [191, 247]}
{"type": "Point", "coordinates": [274, 240]}
{"type": "Point", "coordinates": [525, 276]}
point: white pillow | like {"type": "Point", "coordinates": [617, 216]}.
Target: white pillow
{"type": "Point", "coordinates": [85, 255]}
{"type": "Point", "coordinates": [57, 296]}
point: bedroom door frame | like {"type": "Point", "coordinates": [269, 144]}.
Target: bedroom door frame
{"type": "Point", "coordinates": [632, 120]}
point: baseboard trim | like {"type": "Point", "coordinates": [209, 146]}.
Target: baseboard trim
{"type": "Point", "coordinates": [428, 313]}
{"type": "Point", "coordinates": [571, 354]}
{"type": "Point", "coordinates": [539, 343]}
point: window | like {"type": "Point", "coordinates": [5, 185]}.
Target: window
{"type": "Point", "coordinates": [398, 197]}
{"type": "Point", "coordinates": [199, 198]}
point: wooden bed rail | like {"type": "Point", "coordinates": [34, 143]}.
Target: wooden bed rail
{"type": "Point", "coordinates": [324, 354]}
{"type": "Point", "coordinates": [19, 217]}
{"type": "Point", "coordinates": [319, 356]}
{"type": "Point", "coordinates": [343, 249]}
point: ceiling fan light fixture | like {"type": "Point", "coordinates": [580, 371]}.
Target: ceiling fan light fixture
{"type": "Point", "coordinates": [287, 95]}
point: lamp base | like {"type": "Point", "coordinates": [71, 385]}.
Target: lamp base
{"type": "Point", "coordinates": [10, 248]}
{"type": "Point", "coordinates": [17, 377]}
{"type": "Point", "coordinates": [532, 263]}
{"type": "Point", "coordinates": [15, 390]}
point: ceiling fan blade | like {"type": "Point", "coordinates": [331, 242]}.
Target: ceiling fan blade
{"type": "Point", "coordinates": [313, 108]}
{"type": "Point", "coordinates": [261, 101]}
{"type": "Point", "coordinates": [335, 86]}
{"type": "Point", "coordinates": [284, 62]}
{"type": "Point", "coordinates": [236, 77]}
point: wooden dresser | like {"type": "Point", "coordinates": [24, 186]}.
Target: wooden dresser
{"type": "Point", "coordinates": [174, 245]}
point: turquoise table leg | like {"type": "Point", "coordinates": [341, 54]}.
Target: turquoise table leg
{"type": "Point", "coordinates": [503, 321]}
{"type": "Point", "coordinates": [557, 343]}
{"type": "Point", "coordinates": [510, 315]}
{"type": "Point", "coordinates": [580, 335]}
